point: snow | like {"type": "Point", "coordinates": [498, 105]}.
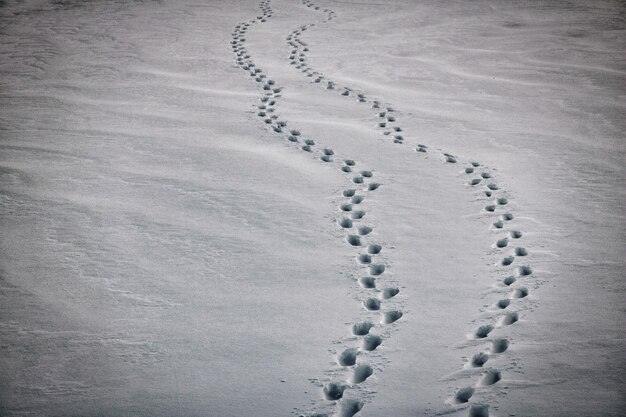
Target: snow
{"type": "Point", "coordinates": [165, 252]}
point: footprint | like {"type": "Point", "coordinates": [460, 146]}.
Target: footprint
{"type": "Point", "coordinates": [349, 162]}
{"type": "Point", "coordinates": [515, 234]}
{"type": "Point", "coordinates": [368, 282]}
{"type": "Point", "coordinates": [492, 186]}
{"type": "Point", "coordinates": [367, 174]}
{"type": "Point", "coordinates": [509, 280]}
{"type": "Point", "coordinates": [345, 223]}
{"type": "Point", "coordinates": [485, 175]}
{"type": "Point", "coordinates": [346, 168]}
{"type": "Point", "coordinates": [504, 303]}
{"type": "Point", "coordinates": [503, 201]}
{"type": "Point", "coordinates": [348, 408]}
{"type": "Point", "coordinates": [346, 207]}
{"type": "Point", "coordinates": [499, 345]}
{"type": "Point", "coordinates": [508, 319]}
{"type": "Point", "coordinates": [364, 259]}
{"type": "Point", "coordinates": [357, 199]}
{"type": "Point", "coordinates": [361, 373]}
{"type": "Point", "coordinates": [521, 252]}
{"type": "Point", "coordinates": [479, 359]}
{"type": "Point", "coordinates": [507, 217]}
{"type": "Point", "coordinates": [391, 316]}
{"type": "Point", "coordinates": [358, 214]}
{"type": "Point", "coordinates": [451, 159]}
{"type": "Point", "coordinates": [354, 240]}
{"type": "Point", "coordinates": [389, 293]}
{"type": "Point", "coordinates": [490, 377]}
{"type": "Point", "coordinates": [483, 331]}
{"type": "Point", "coordinates": [521, 292]}
{"type": "Point", "coordinates": [348, 357]}
{"type": "Point", "coordinates": [479, 410]}
{"type": "Point", "coordinates": [475, 181]}
{"type": "Point", "coordinates": [469, 170]}
{"type": "Point", "coordinates": [328, 152]}
{"type": "Point", "coordinates": [371, 342]}
{"type": "Point", "coordinates": [349, 192]}
{"type": "Point", "coordinates": [374, 249]}
{"type": "Point", "coordinates": [421, 148]}
{"type": "Point", "coordinates": [524, 271]}
{"type": "Point", "coordinates": [364, 230]}
{"type": "Point", "coordinates": [377, 269]}
{"type": "Point", "coordinates": [372, 186]}
{"type": "Point", "coordinates": [499, 224]}
{"type": "Point", "coordinates": [488, 193]}
{"type": "Point", "coordinates": [357, 180]}
{"type": "Point", "coordinates": [361, 329]}
{"type": "Point", "coordinates": [490, 208]}
{"type": "Point", "coordinates": [502, 243]}
{"type": "Point", "coordinates": [507, 261]}
{"type": "Point", "coordinates": [463, 395]}
{"type": "Point", "coordinates": [372, 304]}
{"type": "Point", "coordinates": [333, 391]}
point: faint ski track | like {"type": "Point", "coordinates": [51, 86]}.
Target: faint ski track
{"type": "Point", "coordinates": [502, 314]}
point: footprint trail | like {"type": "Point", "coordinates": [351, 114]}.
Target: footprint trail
{"type": "Point", "coordinates": [341, 391]}
{"type": "Point", "coordinates": [481, 181]}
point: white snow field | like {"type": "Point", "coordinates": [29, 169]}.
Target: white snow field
{"type": "Point", "coordinates": [312, 208]}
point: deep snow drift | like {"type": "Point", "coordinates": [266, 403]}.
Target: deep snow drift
{"type": "Point", "coordinates": [231, 208]}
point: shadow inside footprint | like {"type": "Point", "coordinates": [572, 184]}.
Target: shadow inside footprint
{"type": "Point", "coordinates": [358, 214]}
{"type": "Point", "coordinates": [348, 408]}
{"type": "Point", "coordinates": [364, 230]}
{"type": "Point", "coordinates": [345, 223]}
{"type": "Point", "coordinates": [490, 377]}
{"type": "Point", "coordinates": [364, 258]}
{"type": "Point", "coordinates": [348, 357]}
{"type": "Point", "coordinates": [508, 319]}
{"type": "Point", "coordinates": [361, 329]}
{"type": "Point", "coordinates": [521, 292]}
{"type": "Point", "coordinates": [479, 359]}
{"type": "Point", "coordinates": [389, 293]}
{"type": "Point", "coordinates": [368, 282]}
{"type": "Point", "coordinates": [372, 304]}
{"type": "Point", "coordinates": [374, 249]}
{"type": "Point", "coordinates": [371, 342]}
{"type": "Point", "coordinates": [521, 252]}
{"type": "Point", "coordinates": [354, 240]}
{"type": "Point", "coordinates": [479, 410]}
{"type": "Point", "coordinates": [377, 269]}
{"type": "Point", "coordinates": [463, 395]}
{"type": "Point", "coordinates": [483, 331]}
{"type": "Point", "coordinates": [333, 391]}
{"type": "Point", "coordinates": [391, 316]}
{"type": "Point", "coordinates": [361, 373]}
{"type": "Point", "coordinates": [499, 345]}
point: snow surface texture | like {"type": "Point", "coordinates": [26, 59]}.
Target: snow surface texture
{"type": "Point", "coordinates": [385, 208]}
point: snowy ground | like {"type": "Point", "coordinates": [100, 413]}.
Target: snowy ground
{"type": "Point", "coordinates": [168, 248]}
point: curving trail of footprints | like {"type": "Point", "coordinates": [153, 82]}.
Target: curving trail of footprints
{"type": "Point", "coordinates": [510, 287]}
{"type": "Point", "coordinates": [353, 360]}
